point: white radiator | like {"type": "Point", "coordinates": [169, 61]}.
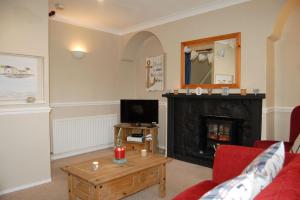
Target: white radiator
{"type": "Point", "coordinates": [82, 134]}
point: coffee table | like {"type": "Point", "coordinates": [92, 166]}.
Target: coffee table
{"type": "Point", "coordinates": [116, 181]}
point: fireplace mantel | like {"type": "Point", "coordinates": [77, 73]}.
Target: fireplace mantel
{"type": "Point", "coordinates": [186, 114]}
{"type": "Point", "coordinates": [215, 96]}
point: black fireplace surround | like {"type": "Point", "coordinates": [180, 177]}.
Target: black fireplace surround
{"type": "Point", "coordinates": [191, 119]}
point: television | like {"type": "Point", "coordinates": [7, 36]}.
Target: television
{"type": "Point", "coordinates": [139, 111]}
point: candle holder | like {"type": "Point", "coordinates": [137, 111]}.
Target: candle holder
{"type": "Point", "coordinates": [95, 166]}
{"type": "Point", "coordinates": [119, 150]}
{"type": "Point", "coordinates": [144, 153]}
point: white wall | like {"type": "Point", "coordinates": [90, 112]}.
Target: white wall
{"type": "Point", "coordinates": [287, 71]}
{"type": "Point", "coordinates": [24, 135]}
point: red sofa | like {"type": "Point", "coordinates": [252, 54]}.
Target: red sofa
{"type": "Point", "coordinates": [231, 160]}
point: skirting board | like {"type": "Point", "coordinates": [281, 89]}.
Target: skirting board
{"type": "Point", "coordinates": [25, 186]}
{"type": "Point", "coordinates": [78, 152]}
{"type": "Point", "coordinates": [82, 151]}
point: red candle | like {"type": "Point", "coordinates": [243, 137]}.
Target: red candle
{"type": "Point", "coordinates": [119, 153]}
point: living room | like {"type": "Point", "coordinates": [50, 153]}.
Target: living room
{"type": "Point", "coordinates": [113, 68]}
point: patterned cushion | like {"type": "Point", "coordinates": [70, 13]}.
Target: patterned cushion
{"type": "Point", "coordinates": [238, 188]}
{"type": "Point", "coordinates": [296, 146]}
{"type": "Point", "coordinates": [266, 166]}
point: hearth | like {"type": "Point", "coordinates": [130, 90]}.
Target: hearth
{"type": "Point", "coordinates": [198, 124]}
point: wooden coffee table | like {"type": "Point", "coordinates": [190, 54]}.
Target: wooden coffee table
{"type": "Point", "coordinates": [113, 181]}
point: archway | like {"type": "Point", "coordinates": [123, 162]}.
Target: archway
{"type": "Point", "coordinates": [132, 66]}
{"type": "Point", "coordinates": [141, 45]}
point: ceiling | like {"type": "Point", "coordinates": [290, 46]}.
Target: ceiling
{"type": "Point", "coordinates": [124, 16]}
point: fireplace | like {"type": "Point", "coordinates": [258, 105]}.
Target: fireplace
{"type": "Point", "coordinates": [216, 130]}
{"type": "Point", "coordinates": [198, 124]}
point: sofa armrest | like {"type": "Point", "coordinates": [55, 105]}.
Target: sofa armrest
{"type": "Point", "coordinates": [231, 160]}
{"type": "Point", "coordinates": [264, 144]}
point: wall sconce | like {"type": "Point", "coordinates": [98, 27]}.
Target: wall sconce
{"type": "Point", "coordinates": [78, 54]}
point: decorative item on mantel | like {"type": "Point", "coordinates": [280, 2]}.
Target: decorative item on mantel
{"type": "Point", "coordinates": [188, 91]}
{"type": "Point", "coordinates": [225, 91]}
{"type": "Point", "coordinates": [176, 91]}
{"type": "Point", "coordinates": [255, 91]}
{"type": "Point", "coordinates": [209, 91]}
{"type": "Point", "coordinates": [168, 91]}
{"type": "Point", "coordinates": [198, 91]}
{"type": "Point", "coordinates": [119, 150]}
{"type": "Point", "coordinates": [243, 92]}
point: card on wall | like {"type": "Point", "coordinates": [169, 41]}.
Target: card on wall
{"type": "Point", "coordinates": [155, 73]}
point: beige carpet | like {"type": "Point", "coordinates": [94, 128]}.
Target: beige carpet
{"type": "Point", "coordinates": [180, 175]}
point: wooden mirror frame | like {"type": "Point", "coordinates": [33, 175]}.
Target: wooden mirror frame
{"type": "Point", "coordinates": [236, 84]}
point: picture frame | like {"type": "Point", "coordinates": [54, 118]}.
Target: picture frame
{"type": "Point", "coordinates": [155, 73]}
{"type": "Point", "coordinates": [21, 79]}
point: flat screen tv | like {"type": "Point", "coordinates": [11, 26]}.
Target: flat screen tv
{"type": "Point", "coordinates": [139, 111]}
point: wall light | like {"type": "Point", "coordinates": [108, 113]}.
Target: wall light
{"type": "Point", "coordinates": [78, 54]}
{"type": "Point", "coordinates": [78, 50]}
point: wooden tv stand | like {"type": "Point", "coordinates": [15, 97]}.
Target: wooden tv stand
{"type": "Point", "coordinates": [128, 129]}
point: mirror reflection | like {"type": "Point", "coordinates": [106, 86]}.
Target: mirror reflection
{"type": "Point", "coordinates": [211, 62]}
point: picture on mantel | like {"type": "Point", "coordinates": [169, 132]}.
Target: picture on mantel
{"type": "Point", "coordinates": [155, 73]}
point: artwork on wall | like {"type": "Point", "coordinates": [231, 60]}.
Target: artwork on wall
{"type": "Point", "coordinates": [21, 78]}
{"type": "Point", "coordinates": [155, 73]}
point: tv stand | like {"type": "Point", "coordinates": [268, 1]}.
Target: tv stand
{"type": "Point", "coordinates": [128, 129]}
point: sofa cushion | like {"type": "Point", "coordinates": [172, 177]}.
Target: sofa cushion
{"type": "Point", "coordinates": [196, 191]}
{"type": "Point", "coordinates": [266, 166]}
{"type": "Point", "coordinates": [286, 185]}
{"type": "Point", "coordinates": [238, 188]}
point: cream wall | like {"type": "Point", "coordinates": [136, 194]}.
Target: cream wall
{"type": "Point", "coordinates": [238, 18]}
{"type": "Point", "coordinates": [287, 71]}
{"type": "Point", "coordinates": [88, 86]}
{"type": "Point", "coordinates": [255, 20]}
{"type": "Point", "coordinates": [287, 63]}
{"type": "Point", "coordinates": [150, 47]}
{"type": "Point", "coordinates": [90, 79]}
{"type": "Point", "coordinates": [24, 135]}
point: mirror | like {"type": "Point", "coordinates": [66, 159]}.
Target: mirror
{"type": "Point", "coordinates": [211, 62]}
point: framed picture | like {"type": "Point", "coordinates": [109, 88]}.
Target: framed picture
{"type": "Point", "coordinates": [155, 73]}
{"type": "Point", "coordinates": [21, 78]}
{"type": "Point", "coordinates": [224, 79]}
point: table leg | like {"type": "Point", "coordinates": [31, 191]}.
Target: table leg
{"type": "Point", "coordinates": [162, 181]}
{"type": "Point", "coordinates": [71, 196]}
